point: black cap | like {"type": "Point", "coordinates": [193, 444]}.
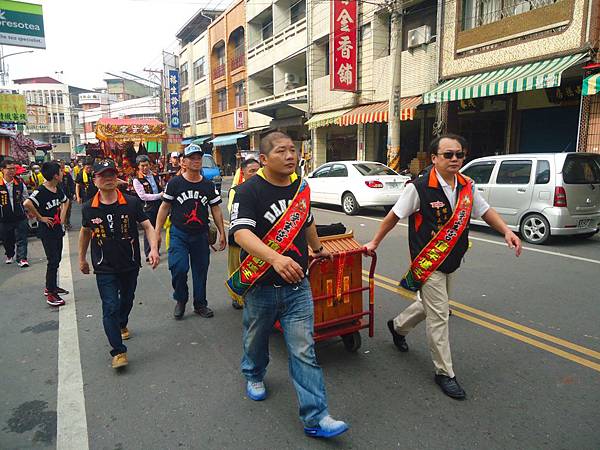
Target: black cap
{"type": "Point", "coordinates": [104, 165]}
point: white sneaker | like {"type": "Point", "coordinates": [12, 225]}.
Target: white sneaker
{"type": "Point", "coordinates": [9, 260]}
{"type": "Point", "coordinates": [23, 263]}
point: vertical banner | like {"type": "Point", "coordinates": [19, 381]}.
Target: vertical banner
{"type": "Point", "coordinates": [343, 70]}
{"type": "Point", "coordinates": [174, 118]}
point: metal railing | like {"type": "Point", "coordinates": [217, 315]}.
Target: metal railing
{"type": "Point", "coordinates": [219, 71]}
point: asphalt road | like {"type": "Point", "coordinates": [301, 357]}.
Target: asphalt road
{"type": "Point", "coordinates": [525, 337]}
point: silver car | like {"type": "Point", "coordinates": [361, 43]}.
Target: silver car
{"type": "Point", "coordinates": [541, 194]}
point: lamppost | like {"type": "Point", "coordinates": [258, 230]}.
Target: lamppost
{"type": "Point", "coordinates": [2, 66]}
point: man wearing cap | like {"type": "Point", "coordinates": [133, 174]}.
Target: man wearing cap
{"type": "Point", "coordinates": [109, 222]}
{"type": "Point", "coordinates": [187, 198]}
{"type": "Point", "coordinates": [147, 187]}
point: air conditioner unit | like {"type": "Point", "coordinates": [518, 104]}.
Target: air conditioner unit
{"type": "Point", "coordinates": [522, 7]}
{"type": "Point", "coordinates": [419, 36]}
{"type": "Point", "coordinates": [291, 80]}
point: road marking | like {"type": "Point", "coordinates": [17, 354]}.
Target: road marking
{"type": "Point", "coordinates": [489, 241]}
{"type": "Point", "coordinates": [517, 326]}
{"type": "Point", "coordinates": [541, 345]}
{"type": "Point", "coordinates": [72, 433]}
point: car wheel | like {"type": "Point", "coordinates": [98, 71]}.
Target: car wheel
{"type": "Point", "coordinates": [349, 204]}
{"type": "Point", "coordinates": [535, 229]}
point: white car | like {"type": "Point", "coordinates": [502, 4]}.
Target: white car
{"type": "Point", "coordinates": [355, 184]}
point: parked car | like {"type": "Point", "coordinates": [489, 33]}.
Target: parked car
{"type": "Point", "coordinates": [355, 184]}
{"type": "Point", "coordinates": [541, 195]}
{"type": "Point", "coordinates": [211, 171]}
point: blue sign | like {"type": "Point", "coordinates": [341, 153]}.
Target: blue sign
{"type": "Point", "coordinates": [174, 118]}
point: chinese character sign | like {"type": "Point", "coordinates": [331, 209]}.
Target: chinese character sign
{"type": "Point", "coordinates": [174, 117]}
{"type": "Point", "coordinates": [12, 108]}
{"type": "Point", "coordinates": [343, 46]}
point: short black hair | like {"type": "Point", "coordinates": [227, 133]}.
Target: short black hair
{"type": "Point", "coordinates": [435, 144]}
{"type": "Point", "coordinates": [49, 169]}
{"type": "Point", "coordinates": [7, 161]}
{"type": "Point", "coordinates": [141, 159]}
{"type": "Point", "coordinates": [88, 162]}
{"type": "Point", "coordinates": [247, 162]}
{"type": "Point", "coordinates": [268, 139]}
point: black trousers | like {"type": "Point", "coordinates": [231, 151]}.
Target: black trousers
{"type": "Point", "coordinates": [53, 247]}
{"type": "Point", "coordinates": [13, 233]}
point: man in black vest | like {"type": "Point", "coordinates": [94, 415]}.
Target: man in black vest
{"type": "Point", "coordinates": [148, 189]}
{"type": "Point", "coordinates": [429, 202]}
{"type": "Point", "coordinates": [13, 220]}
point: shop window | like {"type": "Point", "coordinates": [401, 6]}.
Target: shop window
{"type": "Point", "coordinates": [183, 74]}
{"type": "Point", "coordinates": [480, 172]}
{"type": "Point", "coordinates": [201, 110]}
{"type": "Point", "coordinates": [222, 100]}
{"type": "Point", "coordinates": [481, 12]}
{"type": "Point", "coordinates": [185, 112]}
{"type": "Point", "coordinates": [542, 172]}
{"type": "Point", "coordinates": [199, 68]}
{"type": "Point", "coordinates": [298, 11]}
{"type": "Point", "coordinates": [514, 172]}
{"type": "Point", "coordinates": [240, 94]}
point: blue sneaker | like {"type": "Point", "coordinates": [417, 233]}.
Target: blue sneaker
{"type": "Point", "coordinates": [256, 390]}
{"type": "Point", "coordinates": [328, 428]}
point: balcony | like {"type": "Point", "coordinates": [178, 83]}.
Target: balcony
{"type": "Point", "coordinates": [238, 59]}
{"type": "Point", "coordinates": [218, 71]}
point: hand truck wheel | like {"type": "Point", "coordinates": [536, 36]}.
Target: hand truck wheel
{"type": "Point", "coordinates": [352, 341]}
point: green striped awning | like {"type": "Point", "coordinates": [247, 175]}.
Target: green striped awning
{"type": "Point", "coordinates": [527, 77]}
{"type": "Point", "coordinates": [591, 85]}
{"type": "Point", "coordinates": [325, 119]}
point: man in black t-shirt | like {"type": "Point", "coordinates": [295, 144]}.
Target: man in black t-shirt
{"type": "Point", "coordinates": [283, 292]}
{"type": "Point", "coordinates": [109, 222]}
{"type": "Point", "coordinates": [49, 204]}
{"type": "Point", "coordinates": [85, 188]}
{"type": "Point", "coordinates": [187, 197]}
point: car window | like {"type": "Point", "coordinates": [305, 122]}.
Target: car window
{"type": "Point", "coordinates": [580, 169]}
{"type": "Point", "coordinates": [338, 170]}
{"type": "Point", "coordinates": [208, 162]}
{"type": "Point", "coordinates": [370, 169]}
{"type": "Point", "coordinates": [514, 172]}
{"type": "Point", "coordinates": [542, 172]}
{"type": "Point", "coordinates": [321, 172]}
{"type": "Point", "coordinates": [480, 172]}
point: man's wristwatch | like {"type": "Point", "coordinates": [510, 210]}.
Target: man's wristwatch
{"type": "Point", "coordinates": [319, 250]}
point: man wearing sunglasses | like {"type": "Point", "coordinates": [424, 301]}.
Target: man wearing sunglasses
{"type": "Point", "coordinates": [439, 204]}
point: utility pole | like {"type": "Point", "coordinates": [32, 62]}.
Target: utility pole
{"type": "Point", "coordinates": [393, 141]}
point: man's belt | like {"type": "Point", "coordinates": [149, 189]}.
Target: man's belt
{"type": "Point", "coordinates": [437, 250]}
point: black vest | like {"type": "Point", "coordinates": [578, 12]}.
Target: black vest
{"type": "Point", "coordinates": [435, 211]}
{"type": "Point", "coordinates": [7, 214]}
{"type": "Point", "coordinates": [148, 190]}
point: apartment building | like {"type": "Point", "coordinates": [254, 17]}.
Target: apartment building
{"type": "Point", "coordinates": [277, 66]}
{"type": "Point", "coordinates": [194, 76]}
{"type": "Point", "coordinates": [353, 125]}
{"type": "Point", "coordinates": [512, 74]}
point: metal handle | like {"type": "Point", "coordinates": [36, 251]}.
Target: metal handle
{"type": "Point", "coordinates": [481, 189]}
{"type": "Point", "coordinates": [522, 190]}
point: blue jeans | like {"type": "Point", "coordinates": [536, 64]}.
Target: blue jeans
{"type": "Point", "coordinates": [293, 306]}
{"type": "Point", "coordinates": [186, 248]}
{"type": "Point", "coordinates": [117, 291]}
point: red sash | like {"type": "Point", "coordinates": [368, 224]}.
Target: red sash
{"type": "Point", "coordinates": [437, 250]}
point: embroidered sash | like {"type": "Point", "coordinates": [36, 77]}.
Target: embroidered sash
{"type": "Point", "coordinates": [437, 250]}
{"type": "Point", "coordinates": [280, 237]}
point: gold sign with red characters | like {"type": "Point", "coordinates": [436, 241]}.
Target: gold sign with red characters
{"type": "Point", "coordinates": [343, 46]}
{"type": "Point", "coordinates": [437, 250]}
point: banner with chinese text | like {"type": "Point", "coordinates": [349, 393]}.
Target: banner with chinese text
{"type": "Point", "coordinates": [343, 70]}
{"type": "Point", "coordinates": [174, 116]}
{"type": "Point", "coordinates": [12, 108]}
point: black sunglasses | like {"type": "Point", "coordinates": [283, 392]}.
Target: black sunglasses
{"type": "Point", "coordinates": [449, 155]}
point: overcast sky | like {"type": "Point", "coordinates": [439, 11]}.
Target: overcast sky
{"type": "Point", "coordinates": [86, 38]}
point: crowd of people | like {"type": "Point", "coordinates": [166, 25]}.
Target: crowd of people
{"type": "Point", "coordinates": [271, 229]}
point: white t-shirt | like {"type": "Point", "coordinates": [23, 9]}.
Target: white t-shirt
{"type": "Point", "coordinates": [409, 201]}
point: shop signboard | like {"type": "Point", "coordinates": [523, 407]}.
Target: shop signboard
{"type": "Point", "coordinates": [343, 71]}
{"type": "Point", "coordinates": [174, 99]}
{"type": "Point", "coordinates": [13, 108]}
{"type": "Point", "coordinates": [21, 24]}
{"type": "Point", "coordinates": [238, 119]}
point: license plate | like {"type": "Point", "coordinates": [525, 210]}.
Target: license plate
{"type": "Point", "coordinates": [584, 223]}
{"type": "Point", "coordinates": [393, 185]}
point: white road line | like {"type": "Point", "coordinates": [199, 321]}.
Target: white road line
{"type": "Point", "coordinates": [489, 241]}
{"type": "Point", "coordinates": [72, 432]}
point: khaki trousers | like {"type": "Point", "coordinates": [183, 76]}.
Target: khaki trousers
{"type": "Point", "coordinates": [432, 306]}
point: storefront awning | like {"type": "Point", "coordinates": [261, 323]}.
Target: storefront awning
{"type": "Point", "coordinates": [378, 112]}
{"type": "Point", "coordinates": [324, 119]}
{"type": "Point", "coordinates": [591, 85]}
{"type": "Point", "coordinates": [527, 77]}
{"type": "Point", "coordinates": [198, 140]}
{"type": "Point", "coordinates": [227, 139]}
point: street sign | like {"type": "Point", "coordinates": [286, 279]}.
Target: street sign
{"type": "Point", "coordinates": [174, 116]}
{"type": "Point", "coordinates": [21, 24]}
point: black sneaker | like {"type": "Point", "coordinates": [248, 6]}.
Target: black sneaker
{"type": "Point", "coordinates": [236, 305]}
{"type": "Point", "coordinates": [59, 291]}
{"type": "Point", "coordinates": [179, 310]}
{"type": "Point", "coordinates": [399, 340]}
{"type": "Point", "coordinates": [204, 311]}
{"type": "Point", "coordinates": [450, 387]}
